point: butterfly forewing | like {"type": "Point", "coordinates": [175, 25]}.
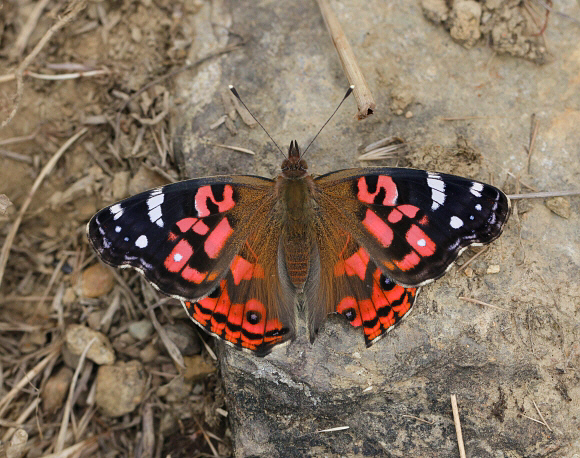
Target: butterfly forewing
{"type": "Point", "coordinates": [413, 223]}
{"type": "Point", "coordinates": [182, 236]}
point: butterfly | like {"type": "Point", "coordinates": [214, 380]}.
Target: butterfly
{"type": "Point", "coordinates": [245, 254]}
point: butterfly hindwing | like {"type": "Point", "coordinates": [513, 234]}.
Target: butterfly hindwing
{"type": "Point", "coordinates": [413, 223]}
{"type": "Point", "coordinates": [251, 308]}
{"type": "Point", "coordinates": [349, 282]}
{"type": "Point", "coordinates": [183, 236]}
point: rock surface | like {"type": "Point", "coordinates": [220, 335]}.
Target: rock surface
{"type": "Point", "coordinates": [394, 397]}
{"type": "Point", "coordinates": [120, 388]}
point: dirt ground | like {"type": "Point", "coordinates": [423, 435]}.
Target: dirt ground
{"type": "Point", "coordinates": [465, 92]}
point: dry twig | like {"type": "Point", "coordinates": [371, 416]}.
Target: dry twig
{"type": "Point", "coordinates": [5, 401]}
{"type": "Point", "coordinates": [43, 173]}
{"type": "Point", "coordinates": [543, 195]}
{"type": "Point", "coordinates": [59, 446]}
{"type": "Point", "coordinates": [475, 301]}
{"type": "Point", "coordinates": [364, 99]}
{"type": "Point", "coordinates": [457, 422]}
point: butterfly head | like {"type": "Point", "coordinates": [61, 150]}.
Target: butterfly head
{"type": "Point", "coordinates": [294, 166]}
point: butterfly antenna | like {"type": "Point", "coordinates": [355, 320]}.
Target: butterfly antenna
{"type": "Point", "coordinates": [233, 89]}
{"type": "Point", "coordinates": [348, 92]}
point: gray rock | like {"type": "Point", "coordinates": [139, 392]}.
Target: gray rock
{"type": "Point", "coordinates": [395, 396]}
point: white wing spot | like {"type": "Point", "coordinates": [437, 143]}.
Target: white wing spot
{"type": "Point", "coordinates": [177, 257]}
{"type": "Point", "coordinates": [126, 239]}
{"type": "Point", "coordinates": [421, 242]}
{"type": "Point", "coordinates": [478, 207]}
{"type": "Point", "coordinates": [437, 186]}
{"type": "Point", "coordinates": [155, 216]}
{"type": "Point", "coordinates": [471, 217]}
{"type": "Point", "coordinates": [141, 242]}
{"type": "Point", "coordinates": [117, 211]}
{"type": "Point", "coordinates": [154, 202]}
{"type": "Point", "coordinates": [456, 222]}
{"type": "Point", "coordinates": [118, 229]}
{"type": "Point", "coordinates": [476, 189]}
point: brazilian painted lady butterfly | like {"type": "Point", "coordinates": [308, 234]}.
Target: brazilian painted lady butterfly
{"type": "Point", "coordinates": [241, 251]}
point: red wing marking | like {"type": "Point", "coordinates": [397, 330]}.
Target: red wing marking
{"type": "Point", "coordinates": [408, 210]}
{"type": "Point", "coordinates": [221, 311]}
{"type": "Point", "coordinates": [384, 183]}
{"type": "Point", "coordinates": [356, 264]}
{"type": "Point", "coordinates": [408, 262]}
{"type": "Point", "coordinates": [245, 325]}
{"type": "Point", "coordinates": [368, 314]}
{"type": "Point", "coordinates": [185, 224]}
{"type": "Point", "coordinates": [420, 241]}
{"type": "Point", "coordinates": [254, 324]}
{"type": "Point", "coordinates": [387, 304]}
{"type": "Point", "coordinates": [193, 275]}
{"type": "Point", "coordinates": [378, 228]}
{"type": "Point", "coordinates": [206, 192]}
{"type": "Point", "coordinates": [272, 331]}
{"type": "Point", "coordinates": [348, 306]}
{"type": "Point", "coordinates": [234, 325]}
{"type": "Point", "coordinates": [217, 238]}
{"type": "Point", "coordinates": [245, 270]}
{"type": "Point", "coordinates": [178, 256]}
{"type": "Point", "coordinates": [395, 216]}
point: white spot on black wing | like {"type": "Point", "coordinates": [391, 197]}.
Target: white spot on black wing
{"type": "Point", "coordinates": [117, 211]}
{"type": "Point", "coordinates": [437, 186]}
{"type": "Point", "coordinates": [476, 189]}
{"type": "Point", "coordinates": [154, 202]}
{"type": "Point", "coordinates": [142, 241]}
{"type": "Point", "coordinates": [456, 222]}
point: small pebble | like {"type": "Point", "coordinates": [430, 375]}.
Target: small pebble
{"type": "Point", "coordinates": [97, 281]}
{"type": "Point", "coordinates": [468, 271]}
{"type": "Point", "coordinates": [149, 353]}
{"type": "Point", "coordinates": [69, 296]}
{"type": "Point", "coordinates": [141, 330]}
{"type": "Point", "coordinates": [184, 337]}
{"type": "Point", "coordinates": [196, 368]}
{"type": "Point", "coordinates": [493, 269]}
{"type": "Point", "coordinates": [559, 205]}
{"type": "Point", "coordinates": [4, 203]}
{"type": "Point", "coordinates": [31, 341]}
{"type": "Point", "coordinates": [78, 337]}
{"type": "Point", "coordinates": [94, 319]}
{"type": "Point", "coordinates": [120, 388]}
{"type": "Point", "coordinates": [176, 390]}
{"type": "Point", "coordinates": [55, 390]}
{"type": "Point", "coordinates": [17, 445]}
